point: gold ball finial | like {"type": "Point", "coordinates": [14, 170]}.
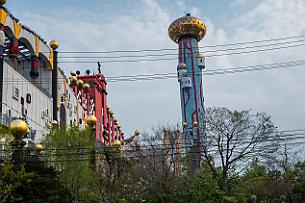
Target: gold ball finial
{"type": "Point", "coordinates": [186, 26]}
{"type": "Point", "coordinates": [73, 80]}
{"type": "Point", "coordinates": [117, 143]}
{"type": "Point", "coordinates": [54, 44]}
{"type": "Point", "coordinates": [184, 124]}
{"type": "Point", "coordinates": [118, 126]}
{"type": "Point", "coordinates": [39, 147]}
{"type": "Point", "coordinates": [137, 132]}
{"type": "Point", "coordinates": [54, 123]}
{"type": "Point", "coordinates": [80, 83]}
{"type": "Point", "coordinates": [91, 120]}
{"type": "Point", "coordinates": [19, 128]}
{"type": "Point", "coordinates": [86, 87]}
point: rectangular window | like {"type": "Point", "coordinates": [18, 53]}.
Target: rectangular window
{"type": "Point", "coordinates": [16, 93]}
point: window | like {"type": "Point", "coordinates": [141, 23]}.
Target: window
{"type": "Point", "coordinates": [16, 93]}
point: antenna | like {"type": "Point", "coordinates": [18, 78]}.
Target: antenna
{"type": "Point", "coordinates": [99, 67]}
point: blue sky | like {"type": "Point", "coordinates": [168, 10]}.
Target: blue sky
{"type": "Point", "coordinates": [103, 25]}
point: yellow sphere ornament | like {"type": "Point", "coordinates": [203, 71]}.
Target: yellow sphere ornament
{"type": "Point", "coordinates": [80, 83]}
{"type": "Point", "coordinates": [19, 128]}
{"type": "Point", "coordinates": [86, 86]}
{"type": "Point", "coordinates": [91, 120]}
{"type": "Point", "coordinates": [39, 147]}
{"type": "Point", "coordinates": [117, 143]}
{"type": "Point", "coordinates": [54, 123]}
{"type": "Point", "coordinates": [73, 80]}
{"type": "Point", "coordinates": [54, 44]}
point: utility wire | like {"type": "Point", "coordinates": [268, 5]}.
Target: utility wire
{"type": "Point", "coordinates": [171, 75]}
{"type": "Point", "coordinates": [170, 49]}
{"type": "Point", "coordinates": [175, 54]}
{"type": "Point", "coordinates": [176, 58]}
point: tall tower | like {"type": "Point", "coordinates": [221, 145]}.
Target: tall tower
{"type": "Point", "coordinates": [187, 31]}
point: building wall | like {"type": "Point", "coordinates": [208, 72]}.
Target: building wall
{"type": "Point", "coordinates": [38, 113]}
{"type": "Point", "coordinates": [75, 114]}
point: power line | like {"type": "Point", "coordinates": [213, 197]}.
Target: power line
{"type": "Point", "coordinates": [171, 54]}
{"type": "Point", "coordinates": [172, 75]}
{"type": "Point", "coordinates": [171, 49]}
{"type": "Point", "coordinates": [176, 58]}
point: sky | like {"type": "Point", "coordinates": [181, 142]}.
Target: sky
{"type": "Point", "coordinates": [105, 25]}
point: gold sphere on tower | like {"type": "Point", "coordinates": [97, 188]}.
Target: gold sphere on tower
{"type": "Point", "coordinates": [80, 83]}
{"type": "Point", "coordinates": [117, 143]}
{"type": "Point", "coordinates": [91, 120]}
{"type": "Point", "coordinates": [19, 128]}
{"type": "Point", "coordinates": [54, 44]}
{"type": "Point", "coordinates": [39, 147]}
{"type": "Point", "coordinates": [187, 26]}
{"type": "Point", "coordinates": [2, 2]}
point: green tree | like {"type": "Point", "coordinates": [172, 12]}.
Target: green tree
{"type": "Point", "coordinates": [72, 152]}
{"type": "Point", "coordinates": [11, 181]}
{"type": "Point", "coordinates": [45, 185]}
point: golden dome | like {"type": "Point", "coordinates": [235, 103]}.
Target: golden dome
{"type": "Point", "coordinates": [39, 147]}
{"type": "Point", "coordinates": [2, 2]}
{"type": "Point", "coordinates": [117, 143]}
{"type": "Point", "coordinates": [54, 44]}
{"type": "Point", "coordinates": [91, 120]}
{"type": "Point", "coordinates": [79, 83]}
{"type": "Point", "coordinates": [186, 26]}
{"type": "Point", "coordinates": [137, 133]}
{"type": "Point", "coordinates": [73, 80]}
{"type": "Point", "coordinates": [86, 86]}
{"type": "Point", "coordinates": [19, 128]}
